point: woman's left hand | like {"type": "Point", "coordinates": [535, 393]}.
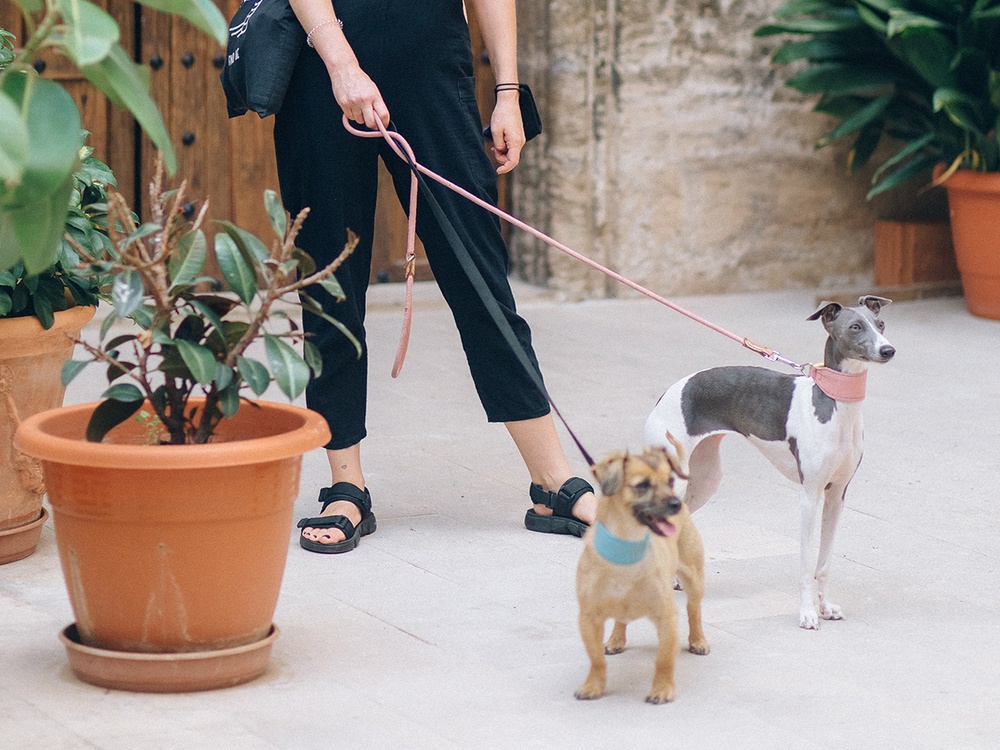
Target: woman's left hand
{"type": "Point", "coordinates": [508, 131]}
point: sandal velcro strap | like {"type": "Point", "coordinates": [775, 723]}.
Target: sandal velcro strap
{"type": "Point", "coordinates": [345, 491]}
{"type": "Point", "coordinates": [561, 502]}
{"type": "Point", "coordinates": [329, 522]}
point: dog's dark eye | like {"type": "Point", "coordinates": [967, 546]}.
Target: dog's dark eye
{"type": "Point", "coordinates": [880, 325]}
{"type": "Point", "coordinates": [643, 485]}
{"type": "Point", "coordinates": [856, 327]}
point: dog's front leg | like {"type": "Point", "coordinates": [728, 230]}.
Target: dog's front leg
{"type": "Point", "coordinates": [833, 504]}
{"type": "Point", "coordinates": [808, 612]}
{"type": "Point", "coordinates": [666, 656]}
{"type": "Point", "coordinates": [592, 632]}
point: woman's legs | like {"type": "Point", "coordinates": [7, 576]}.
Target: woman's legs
{"type": "Point", "coordinates": [536, 441]}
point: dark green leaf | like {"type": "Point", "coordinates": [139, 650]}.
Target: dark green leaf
{"type": "Point", "coordinates": [229, 401]}
{"type": "Point", "coordinates": [864, 116]}
{"type": "Point", "coordinates": [864, 146]}
{"type": "Point", "coordinates": [903, 154]}
{"type": "Point", "coordinates": [127, 292]}
{"type": "Point", "coordinates": [199, 360]}
{"type": "Point", "coordinates": [90, 32]}
{"type": "Point", "coordinates": [838, 78]}
{"type": "Point", "coordinates": [308, 303]}
{"type": "Point", "coordinates": [235, 269]}
{"type": "Point", "coordinates": [126, 84]}
{"type": "Point", "coordinates": [14, 144]}
{"type": "Point", "coordinates": [810, 26]}
{"type": "Point", "coordinates": [313, 358]}
{"type": "Point", "coordinates": [333, 288]}
{"type": "Point", "coordinates": [918, 166]}
{"type": "Point", "coordinates": [930, 53]}
{"type": "Point", "coordinates": [202, 14]}
{"type": "Point", "coordinates": [248, 243]}
{"type": "Point", "coordinates": [108, 415]}
{"type": "Point", "coordinates": [70, 369]}
{"type": "Point", "coordinates": [290, 372]}
{"type": "Point", "coordinates": [52, 125]}
{"type": "Point", "coordinates": [32, 232]}
{"type": "Point", "coordinates": [187, 264]}
{"type": "Point", "coordinates": [276, 213]}
{"type": "Point", "coordinates": [254, 373]}
{"type": "Point", "coordinates": [123, 392]}
{"type": "Point", "coordinates": [143, 316]}
{"type": "Point", "coordinates": [213, 320]}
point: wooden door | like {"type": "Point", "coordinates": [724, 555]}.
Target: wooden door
{"type": "Point", "coordinates": [228, 163]}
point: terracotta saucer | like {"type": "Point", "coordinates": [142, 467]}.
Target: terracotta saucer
{"type": "Point", "coordinates": [19, 542]}
{"type": "Point", "coordinates": [167, 673]}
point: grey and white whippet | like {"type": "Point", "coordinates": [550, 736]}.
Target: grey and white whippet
{"type": "Point", "coordinates": [808, 426]}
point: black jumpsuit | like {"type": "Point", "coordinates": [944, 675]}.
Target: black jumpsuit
{"type": "Point", "coordinates": [418, 54]}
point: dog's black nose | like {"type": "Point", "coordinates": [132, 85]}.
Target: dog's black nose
{"type": "Point", "coordinates": [674, 505]}
{"type": "Point", "coordinates": [887, 352]}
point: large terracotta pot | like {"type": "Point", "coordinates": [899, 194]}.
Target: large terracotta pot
{"type": "Point", "coordinates": [173, 548]}
{"type": "Point", "coordinates": [31, 360]}
{"type": "Point", "coordinates": [974, 204]}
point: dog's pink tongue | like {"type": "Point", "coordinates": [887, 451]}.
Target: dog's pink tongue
{"type": "Point", "coordinates": [665, 527]}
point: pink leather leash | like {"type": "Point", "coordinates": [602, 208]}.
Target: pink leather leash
{"type": "Point", "coordinates": [839, 386]}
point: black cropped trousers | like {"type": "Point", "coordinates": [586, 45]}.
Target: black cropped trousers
{"type": "Point", "coordinates": [419, 55]}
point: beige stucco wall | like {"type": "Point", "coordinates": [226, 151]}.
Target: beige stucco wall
{"type": "Point", "coordinates": [673, 153]}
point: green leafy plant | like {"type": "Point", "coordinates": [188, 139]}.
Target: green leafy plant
{"type": "Point", "coordinates": [39, 152]}
{"type": "Point", "coordinates": [6, 48]}
{"type": "Point", "coordinates": [64, 283]}
{"type": "Point", "coordinates": [924, 74]}
{"type": "Point", "coordinates": [191, 342]}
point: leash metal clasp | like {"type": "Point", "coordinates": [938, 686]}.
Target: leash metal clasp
{"type": "Point", "coordinates": [772, 356]}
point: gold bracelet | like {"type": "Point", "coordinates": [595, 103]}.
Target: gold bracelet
{"type": "Point", "coordinates": [318, 26]}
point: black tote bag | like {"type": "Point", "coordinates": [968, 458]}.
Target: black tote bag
{"type": "Point", "coordinates": [265, 39]}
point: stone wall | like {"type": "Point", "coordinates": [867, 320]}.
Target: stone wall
{"type": "Point", "coordinates": [673, 153]}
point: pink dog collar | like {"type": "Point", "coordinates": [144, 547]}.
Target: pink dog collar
{"type": "Point", "coordinates": [840, 386]}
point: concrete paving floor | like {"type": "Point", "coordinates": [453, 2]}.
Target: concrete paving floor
{"type": "Point", "coordinates": [454, 627]}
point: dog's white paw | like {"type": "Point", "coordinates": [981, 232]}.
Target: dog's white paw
{"type": "Point", "coordinates": [830, 611]}
{"type": "Point", "coordinates": [809, 619]}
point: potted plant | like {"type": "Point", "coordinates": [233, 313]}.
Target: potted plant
{"type": "Point", "coordinates": [40, 122]}
{"type": "Point", "coordinates": [40, 316]}
{"type": "Point", "coordinates": [46, 176]}
{"type": "Point", "coordinates": [927, 77]}
{"type": "Point", "coordinates": [193, 498]}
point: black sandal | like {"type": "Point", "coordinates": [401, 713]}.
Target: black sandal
{"type": "Point", "coordinates": [352, 535]}
{"type": "Point", "coordinates": [562, 520]}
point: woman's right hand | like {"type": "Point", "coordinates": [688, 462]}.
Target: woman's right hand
{"type": "Point", "coordinates": [357, 95]}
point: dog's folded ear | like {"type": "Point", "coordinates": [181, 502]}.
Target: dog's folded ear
{"type": "Point", "coordinates": [827, 310]}
{"type": "Point", "coordinates": [610, 473]}
{"type": "Point", "coordinates": [874, 303]}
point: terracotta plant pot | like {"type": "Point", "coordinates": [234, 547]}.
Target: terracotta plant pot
{"type": "Point", "coordinates": [173, 548]}
{"type": "Point", "coordinates": [31, 359]}
{"type": "Point", "coordinates": [974, 204]}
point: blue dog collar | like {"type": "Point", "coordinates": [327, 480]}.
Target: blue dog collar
{"type": "Point", "coordinates": [618, 551]}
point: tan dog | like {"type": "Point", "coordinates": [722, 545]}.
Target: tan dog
{"type": "Point", "coordinates": [642, 538]}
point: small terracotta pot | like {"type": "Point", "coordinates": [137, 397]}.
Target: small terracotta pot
{"type": "Point", "coordinates": [170, 548]}
{"type": "Point", "coordinates": [31, 360]}
{"type": "Point", "coordinates": [974, 204]}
